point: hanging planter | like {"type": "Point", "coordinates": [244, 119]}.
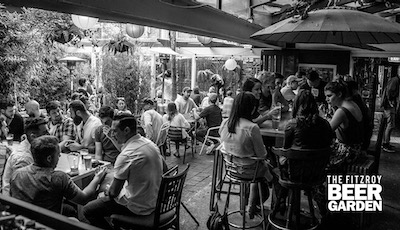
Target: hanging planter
{"type": "Point", "coordinates": [64, 34]}
{"type": "Point", "coordinates": [121, 45]}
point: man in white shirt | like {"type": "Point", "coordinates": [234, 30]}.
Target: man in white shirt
{"type": "Point", "coordinates": [151, 120]}
{"type": "Point", "coordinates": [137, 177]}
{"type": "Point", "coordinates": [288, 91]}
{"type": "Point", "coordinates": [86, 125]}
{"type": "Point", "coordinates": [21, 156]}
{"type": "Point", "coordinates": [185, 104]}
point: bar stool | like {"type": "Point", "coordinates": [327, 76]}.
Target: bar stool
{"type": "Point", "coordinates": [304, 169]}
{"type": "Point", "coordinates": [244, 175]}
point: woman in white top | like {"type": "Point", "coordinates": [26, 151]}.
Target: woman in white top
{"type": "Point", "coordinates": [176, 119]}
{"type": "Point", "coordinates": [241, 137]}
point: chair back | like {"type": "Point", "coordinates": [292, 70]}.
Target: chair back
{"type": "Point", "coordinates": [175, 133]}
{"type": "Point", "coordinates": [5, 152]}
{"type": "Point", "coordinates": [378, 144]}
{"type": "Point", "coordinates": [162, 134]}
{"type": "Point", "coordinates": [241, 168]}
{"type": "Point", "coordinates": [169, 195]}
{"type": "Point", "coordinates": [303, 167]}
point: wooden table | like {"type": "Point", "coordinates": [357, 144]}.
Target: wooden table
{"type": "Point", "coordinates": [279, 134]}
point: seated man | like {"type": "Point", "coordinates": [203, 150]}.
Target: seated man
{"type": "Point", "coordinates": [184, 103]}
{"type": "Point", "coordinates": [151, 120]}
{"type": "Point", "coordinates": [288, 90]}
{"type": "Point", "coordinates": [86, 125]}
{"type": "Point", "coordinates": [59, 125]}
{"type": "Point", "coordinates": [213, 117]}
{"type": "Point", "coordinates": [137, 178]}
{"type": "Point", "coordinates": [22, 156]}
{"type": "Point", "coordinates": [107, 148]}
{"type": "Point", "coordinates": [41, 185]}
{"type": "Point", "coordinates": [14, 121]}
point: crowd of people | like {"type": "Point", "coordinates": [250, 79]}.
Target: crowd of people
{"type": "Point", "coordinates": [322, 114]}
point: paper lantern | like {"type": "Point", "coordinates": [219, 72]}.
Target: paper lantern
{"type": "Point", "coordinates": [134, 31]}
{"type": "Point", "coordinates": [84, 22]}
{"type": "Point", "coordinates": [204, 40]}
{"type": "Point", "coordinates": [230, 64]}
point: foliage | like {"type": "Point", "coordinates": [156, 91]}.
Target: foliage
{"type": "Point", "coordinates": [119, 45]}
{"type": "Point", "coordinates": [34, 69]}
{"type": "Point", "coordinates": [126, 76]}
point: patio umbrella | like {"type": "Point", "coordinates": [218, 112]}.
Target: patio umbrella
{"type": "Point", "coordinates": [333, 26]}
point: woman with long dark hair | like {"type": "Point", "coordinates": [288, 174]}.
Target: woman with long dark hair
{"type": "Point", "coordinates": [241, 137]}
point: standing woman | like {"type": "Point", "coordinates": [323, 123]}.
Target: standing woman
{"type": "Point", "coordinates": [347, 122]}
{"type": "Point", "coordinates": [242, 138]}
{"type": "Point", "coordinates": [176, 119]}
{"type": "Point", "coordinates": [121, 106]}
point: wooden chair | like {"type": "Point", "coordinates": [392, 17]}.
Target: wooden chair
{"type": "Point", "coordinates": [244, 175]}
{"type": "Point", "coordinates": [304, 169]}
{"type": "Point", "coordinates": [166, 214]}
{"type": "Point", "coordinates": [5, 152]}
{"type": "Point", "coordinates": [162, 138]}
{"type": "Point", "coordinates": [175, 134]}
{"type": "Point", "coordinates": [210, 138]}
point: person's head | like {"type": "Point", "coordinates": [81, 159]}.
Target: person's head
{"type": "Point", "coordinates": [186, 92]}
{"type": "Point", "coordinates": [45, 151]}
{"type": "Point", "coordinates": [7, 108]}
{"type": "Point", "coordinates": [304, 104]}
{"type": "Point", "coordinates": [148, 104]}
{"type": "Point", "coordinates": [292, 82]}
{"type": "Point", "coordinates": [301, 76]}
{"type": "Point", "coordinates": [253, 85]}
{"type": "Point", "coordinates": [54, 111]}
{"type": "Point", "coordinates": [196, 90]}
{"type": "Point", "coordinates": [106, 115]}
{"type": "Point", "coordinates": [279, 79]}
{"type": "Point", "coordinates": [335, 93]}
{"type": "Point", "coordinates": [352, 87]}
{"type": "Point", "coordinates": [85, 100]}
{"type": "Point", "coordinates": [78, 111]}
{"type": "Point", "coordinates": [171, 110]}
{"type": "Point", "coordinates": [121, 105]}
{"type": "Point", "coordinates": [82, 82]}
{"type": "Point", "coordinates": [267, 82]}
{"type": "Point", "coordinates": [313, 79]}
{"type": "Point", "coordinates": [212, 98]}
{"type": "Point", "coordinates": [35, 127]}
{"type": "Point", "coordinates": [229, 93]}
{"type": "Point", "coordinates": [32, 108]}
{"type": "Point", "coordinates": [123, 127]}
{"type": "Point", "coordinates": [75, 96]}
{"type": "Point", "coordinates": [244, 106]}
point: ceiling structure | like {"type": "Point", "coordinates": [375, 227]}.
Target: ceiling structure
{"type": "Point", "coordinates": [231, 20]}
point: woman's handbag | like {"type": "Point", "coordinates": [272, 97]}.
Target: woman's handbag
{"type": "Point", "coordinates": [216, 221]}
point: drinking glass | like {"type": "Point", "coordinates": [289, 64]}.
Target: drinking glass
{"type": "Point", "coordinates": [276, 117]}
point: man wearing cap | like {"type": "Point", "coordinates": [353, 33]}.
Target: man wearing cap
{"type": "Point", "coordinates": [185, 104]}
{"type": "Point", "coordinates": [288, 90]}
{"type": "Point", "coordinates": [213, 117]}
{"type": "Point", "coordinates": [151, 120]}
{"type": "Point", "coordinates": [316, 85]}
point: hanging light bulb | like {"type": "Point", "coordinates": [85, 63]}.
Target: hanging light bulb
{"type": "Point", "coordinates": [134, 31]}
{"type": "Point", "coordinates": [204, 40]}
{"type": "Point", "coordinates": [84, 22]}
{"type": "Point", "coordinates": [230, 64]}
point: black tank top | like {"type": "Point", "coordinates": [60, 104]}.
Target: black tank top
{"type": "Point", "coordinates": [353, 134]}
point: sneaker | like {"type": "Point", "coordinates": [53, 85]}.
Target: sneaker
{"type": "Point", "coordinates": [388, 148]}
{"type": "Point", "coordinates": [210, 149]}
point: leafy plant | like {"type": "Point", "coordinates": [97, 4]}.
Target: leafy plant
{"type": "Point", "coordinates": [119, 45]}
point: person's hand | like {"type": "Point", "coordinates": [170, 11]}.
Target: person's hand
{"type": "Point", "coordinates": [106, 131]}
{"type": "Point", "coordinates": [273, 112]}
{"type": "Point", "coordinates": [74, 146]}
{"type": "Point", "coordinates": [101, 173]}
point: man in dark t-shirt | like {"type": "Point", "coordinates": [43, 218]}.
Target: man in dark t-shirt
{"type": "Point", "coordinates": [316, 85]}
{"type": "Point", "coordinates": [14, 121]}
{"type": "Point", "coordinates": [213, 116]}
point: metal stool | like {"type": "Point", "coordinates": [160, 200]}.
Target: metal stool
{"type": "Point", "coordinates": [244, 175]}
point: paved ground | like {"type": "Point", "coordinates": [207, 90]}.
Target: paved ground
{"type": "Point", "coordinates": [196, 194]}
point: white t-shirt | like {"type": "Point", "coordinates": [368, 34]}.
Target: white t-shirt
{"type": "Point", "coordinates": [85, 134]}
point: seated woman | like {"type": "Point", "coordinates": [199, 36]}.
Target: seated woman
{"type": "Point", "coordinates": [121, 106]}
{"type": "Point", "coordinates": [241, 137]}
{"type": "Point", "coordinates": [253, 85]}
{"type": "Point", "coordinates": [306, 130]}
{"type": "Point", "coordinates": [174, 118]}
{"type": "Point", "coordinates": [347, 122]}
